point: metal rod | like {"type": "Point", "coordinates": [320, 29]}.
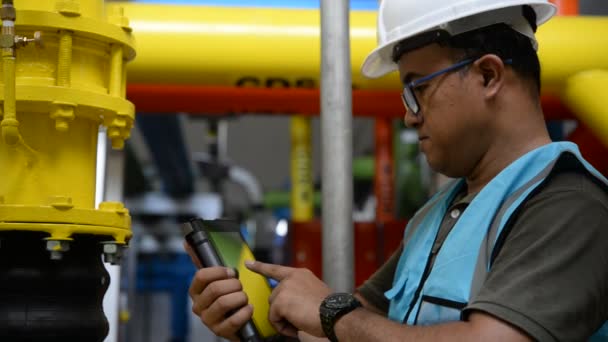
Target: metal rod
{"type": "Point", "coordinates": [116, 70]}
{"type": "Point", "coordinates": [336, 142]}
{"type": "Point", "coordinates": [10, 125]}
{"type": "Point", "coordinates": [109, 187]}
{"type": "Point", "coordinates": [64, 59]}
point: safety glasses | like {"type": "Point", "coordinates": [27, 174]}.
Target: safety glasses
{"type": "Point", "coordinates": [409, 97]}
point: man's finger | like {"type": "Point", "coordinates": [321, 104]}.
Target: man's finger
{"type": "Point", "coordinates": [287, 329]}
{"type": "Point", "coordinates": [215, 290]}
{"type": "Point", "coordinates": [228, 327]}
{"type": "Point", "coordinates": [277, 272]}
{"type": "Point", "coordinates": [206, 276]}
{"type": "Point", "coordinates": [221, 308]}
{"type": "Point", "coordinates": [275, 292]}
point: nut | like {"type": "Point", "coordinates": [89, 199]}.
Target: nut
{"type": "Point", "coordinates": [57, 246]}
{"type": "Point", "coordinates": [116, 207]}
{"type": "Point", "coordinates": [61, 202]}
{"type": "Point", "coordinates": [110, 248]}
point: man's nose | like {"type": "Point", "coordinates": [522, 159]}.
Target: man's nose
{"type": "Point", "coordinates": [412, 120]}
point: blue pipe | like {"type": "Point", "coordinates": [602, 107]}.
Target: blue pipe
{"type": "Point", "coordinates": [165, 139]}
{"type": "Point", "coordinates": [169, 273]}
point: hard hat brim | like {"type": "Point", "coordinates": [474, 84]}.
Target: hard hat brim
{"type": "Point", "coordinates": [379, 62]}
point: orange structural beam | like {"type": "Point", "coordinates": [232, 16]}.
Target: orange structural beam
{"type": "Point", "coordinates": [225, 100]}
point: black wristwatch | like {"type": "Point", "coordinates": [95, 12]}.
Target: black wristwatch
{"type": "Point", "coordinates": [332, 308]}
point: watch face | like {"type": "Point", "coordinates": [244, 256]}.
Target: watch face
{"type": "Point", "coordinates": [339, 300]}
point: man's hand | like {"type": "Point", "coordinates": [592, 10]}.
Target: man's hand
{"type": "Point", "coordinates": [294, 303]}
{"type": "Point", "coordinates": [218, 299]}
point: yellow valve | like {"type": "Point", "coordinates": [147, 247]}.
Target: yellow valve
{"type": "Point", "coordinates": [73, 82]}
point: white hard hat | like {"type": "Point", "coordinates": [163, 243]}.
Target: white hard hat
{"type": "Point", "coordinates": [403, 19]}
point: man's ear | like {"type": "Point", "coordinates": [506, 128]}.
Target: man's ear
{"type": "Point", "coordinates": [491, 70]}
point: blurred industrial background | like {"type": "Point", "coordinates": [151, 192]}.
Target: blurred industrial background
{"type": "Point", "coordinates": [227, 125]}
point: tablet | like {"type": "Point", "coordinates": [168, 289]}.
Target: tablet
{"type": "Point", "coordinates": [220, 243]}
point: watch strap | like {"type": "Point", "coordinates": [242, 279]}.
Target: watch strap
{"type": "Point", "coordinates": [329, 316]}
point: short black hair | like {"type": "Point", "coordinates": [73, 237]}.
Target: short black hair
{"type": "Point", "coordinates": [499, 39]}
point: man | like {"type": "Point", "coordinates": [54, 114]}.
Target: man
{"type": "Point", "coordinates": [511, 251]}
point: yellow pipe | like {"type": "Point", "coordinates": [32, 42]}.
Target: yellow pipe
{"type": "Point", "coordinates": [206, 45]}
{"type": "Point", "coordinates": [229, 46]}
{"type": "Point", "coordinates": [301, 169]}
{"type": "Point", "coordinates": [569, 45]}
{"type": "Point", "coordinates": [585, 94]}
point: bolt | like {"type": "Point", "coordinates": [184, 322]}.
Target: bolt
{"type": "Point", "coordinates": [21, 41]}
{"type": "Point", "coordinates": [56, 255]}
{"type": "Point", "coordinates": [62, 125]}
{"type": "Point", "coordinates": [113, 132]}
{"type": "Point", "coordinates": [69, 8]}
{"type": "Point", "coordinates": [117, 17]}
{"type": "Point", "coordinates": [57, 247]}
{"type": "Point", "coordinates": [63, 113]}
{"type": "Point", "coordinates": [61, 202]}
{"type": "Point", "coordinates": [118, 143]}
{"type": "Point", "coordinates": [112, 252]}
{"type": "Point", "coordinates": [116, 207]}
{"type": "Point", "coordinates": [111, 258]}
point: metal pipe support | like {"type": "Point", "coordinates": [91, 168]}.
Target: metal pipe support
{"type": "Point", "coordinates": [336, 137]}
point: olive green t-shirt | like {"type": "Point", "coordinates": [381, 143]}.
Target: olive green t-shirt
{"type": "Point", "coordinates": [550, 278]}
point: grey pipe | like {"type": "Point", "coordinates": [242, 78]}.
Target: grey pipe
{"type": "Point", "coordinates": [336, 142]}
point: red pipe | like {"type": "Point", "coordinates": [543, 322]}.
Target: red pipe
{"type": "Point", "coordinates": [384, 175]}
{"type": "Point", "coordinates": [225, 100]}
{"type": "Point", "coordinates": [591, 147]}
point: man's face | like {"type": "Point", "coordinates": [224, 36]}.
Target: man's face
{"type": "Point", "coordinates": [452, 122]}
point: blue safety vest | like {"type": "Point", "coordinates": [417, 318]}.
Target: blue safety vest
{"type": "Point", "coordinates": [463, 261]}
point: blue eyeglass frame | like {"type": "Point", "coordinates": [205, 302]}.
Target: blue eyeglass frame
{"type": "Point", "coordinates": [409, 97]}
